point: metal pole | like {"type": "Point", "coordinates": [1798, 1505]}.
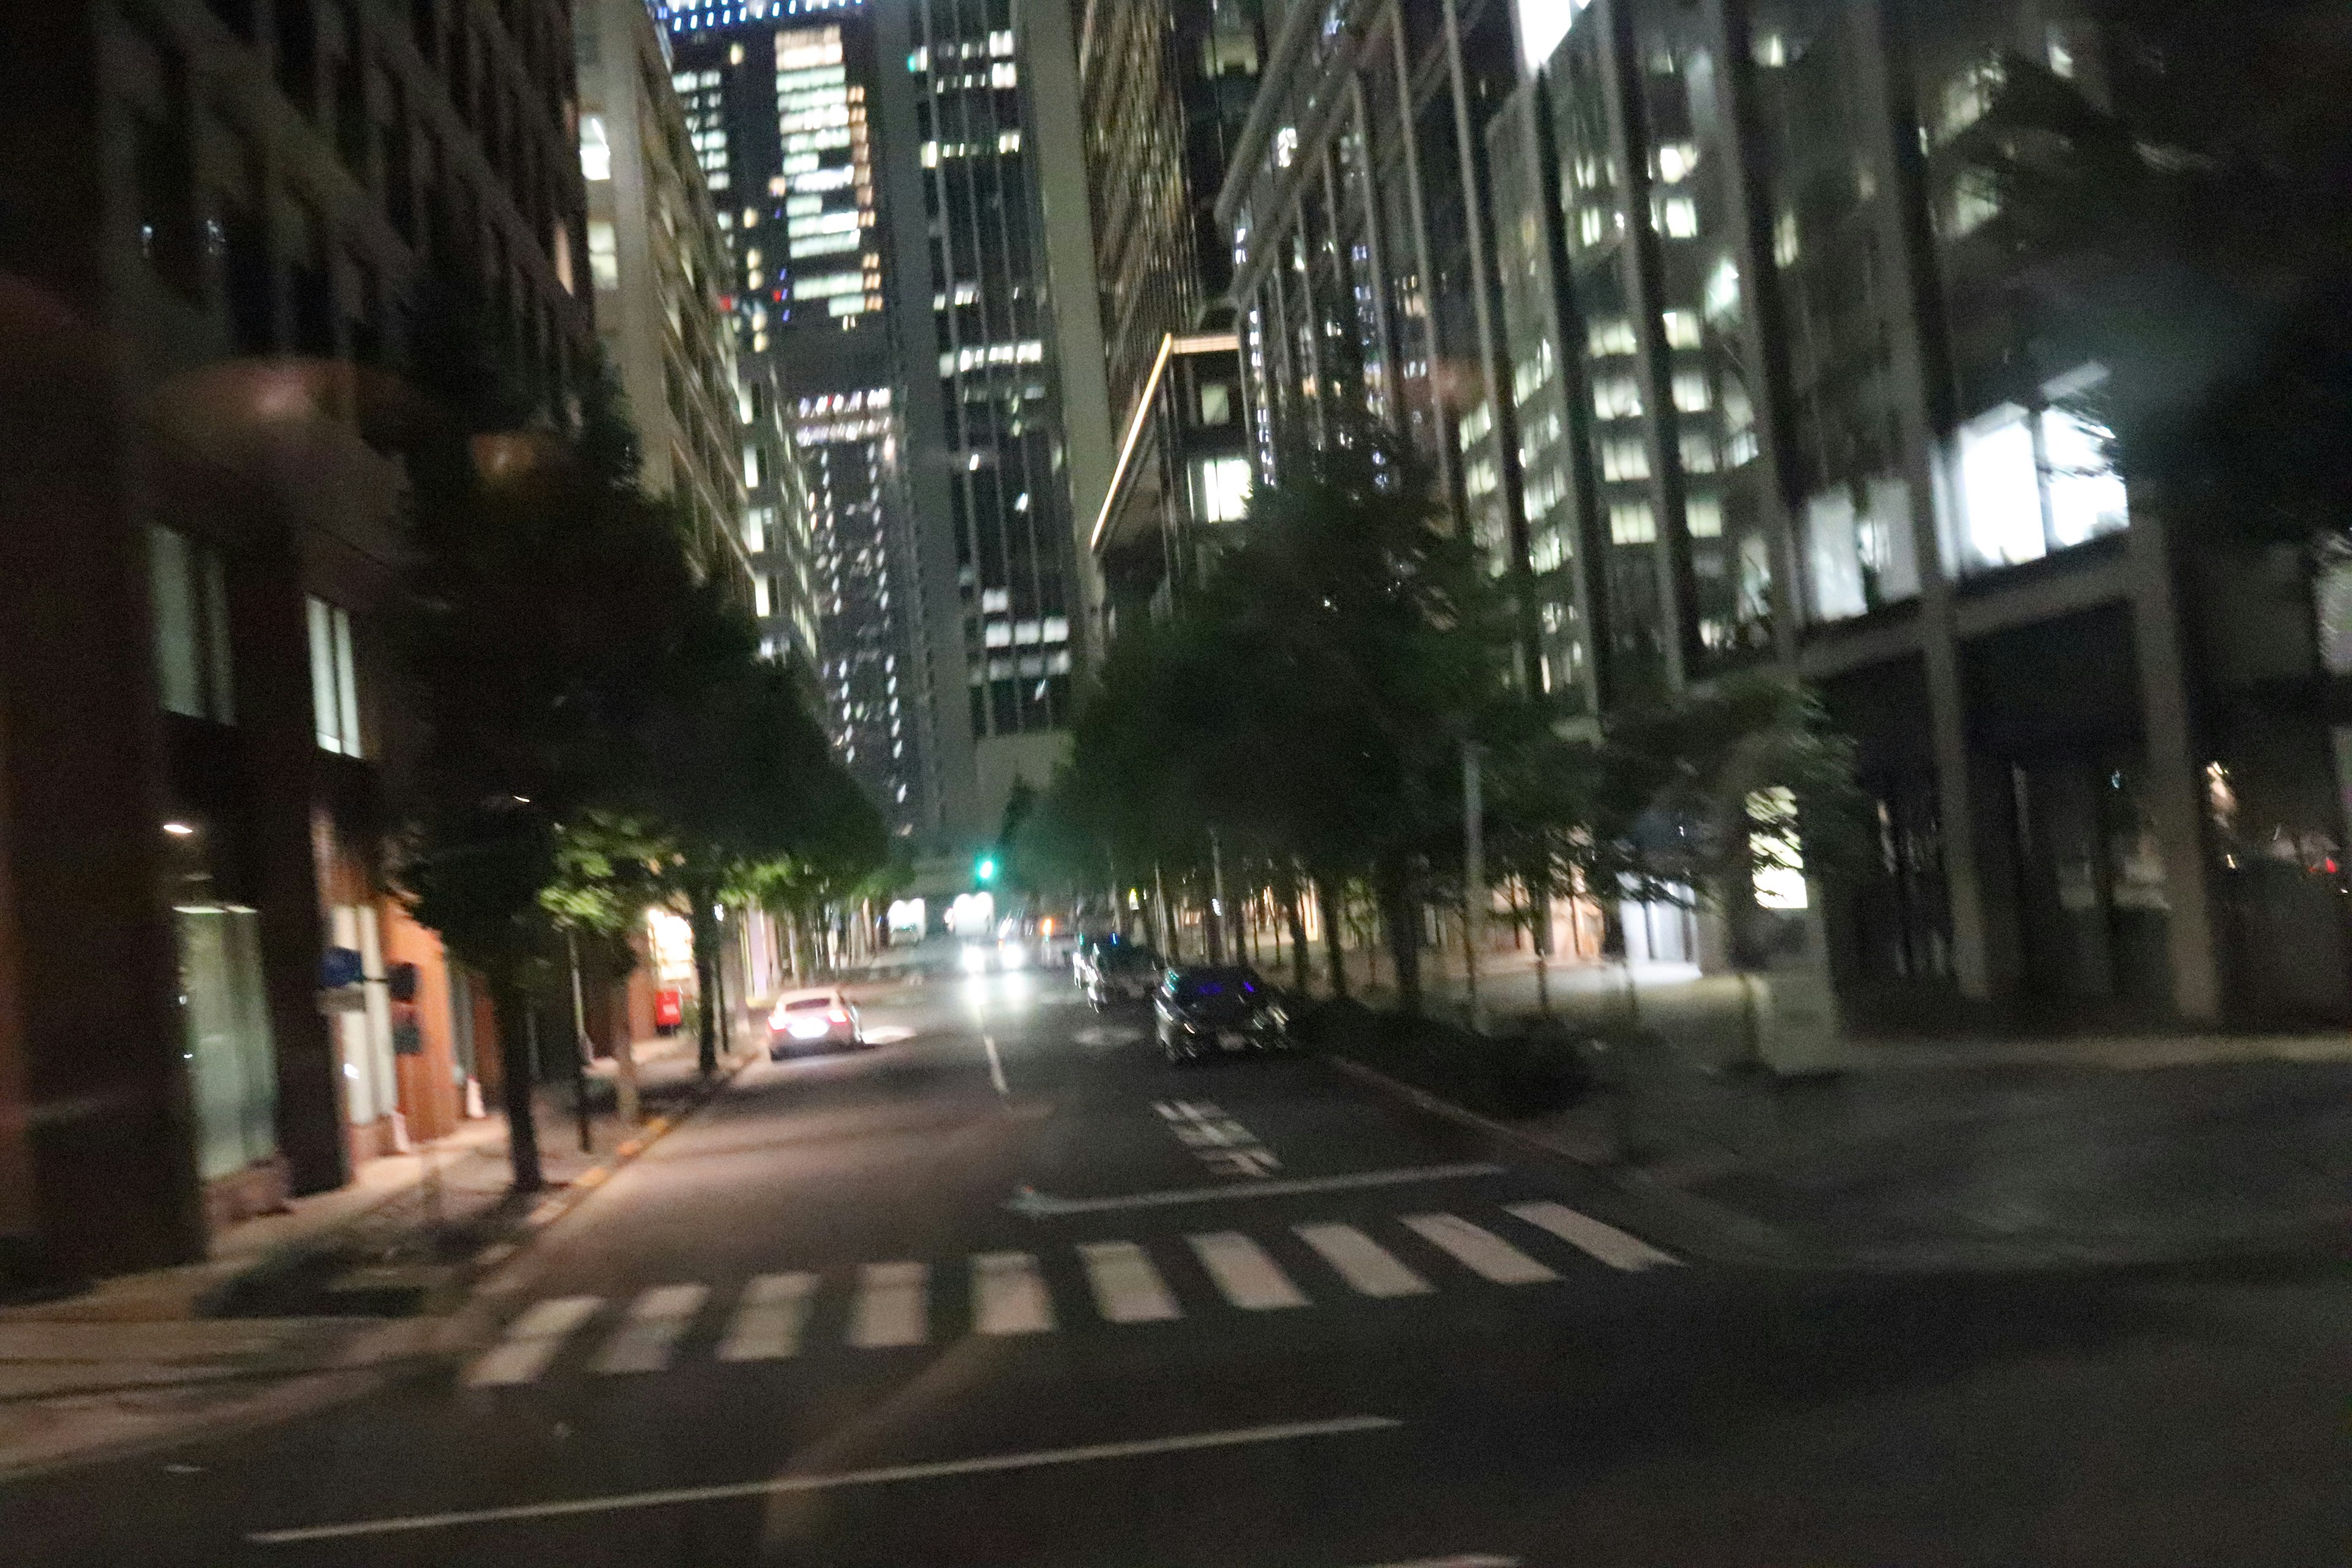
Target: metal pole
{"type": "Point", "coordinates": [1217, 898]}
{"type": "Point", "coordinates": [1474, 874]}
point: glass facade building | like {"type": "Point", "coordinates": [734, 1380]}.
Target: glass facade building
{"type": "Point", "coordinates": [1710, 326]}
{"type": "Point", "coordinates": [778, 101]}
{"type": "Point", "coordinates": [1165, 92]}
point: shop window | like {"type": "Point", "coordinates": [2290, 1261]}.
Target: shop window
{"type": "Point", "coordinates": [232, 1064]}
{"type": "Point", "coordinates": [334, 679]}
{"type": "Point", "coordinates": [189, 586]}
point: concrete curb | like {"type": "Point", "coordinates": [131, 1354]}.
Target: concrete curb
{"type": "Point", "coordinates": [1722, 1235]}
{"type": "Point", "coordinates": [1727, 1236]}
{"type": "Point", "coordinates": [491, 1259]}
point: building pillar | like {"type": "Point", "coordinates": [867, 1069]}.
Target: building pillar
{"type": "Point", "coordinates": [1911, 284]}
{"type": "Point", "coordinates": [281, 733]}
{"type": "Point", "coordinates": [2175, 762]}
{"type": "Point", "coordinates": [97, 1162]}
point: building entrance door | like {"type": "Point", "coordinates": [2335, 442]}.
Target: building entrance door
{"type": "Point", "coordinates": [2092, 903]}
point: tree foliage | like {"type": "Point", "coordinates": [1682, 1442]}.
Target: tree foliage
{"type": "Point", "coordinates": [594, 730]}
{"type": "Point", "coordinates": [1309, 705]}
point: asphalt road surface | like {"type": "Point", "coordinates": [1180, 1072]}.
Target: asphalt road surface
{"type": "Point", "coordinates": [1007, 1289]}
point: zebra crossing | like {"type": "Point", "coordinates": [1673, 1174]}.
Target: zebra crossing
{"type": "Point", "coordinates": [892, 1305]}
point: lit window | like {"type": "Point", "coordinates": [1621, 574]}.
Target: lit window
{"type": "Point", "coordinates": [1679, 217]}
{"type": "Point", "coordinates": [1999, 489]}
{"type": "Point", "coordinates": [1611, 337]}
{"type": "Point", "coordinates": [1682, 330]}
{"type": "Point", "coordinates": [1617, 398]}
{"type": "Point", "coordinates": [334, 679]}
{"type": "Point", "coordinates": [595, 152]}
{"type": "Point", "coordinates": [2087, 497]}
{"type": "Point", "coordinates": [763, 594]}
{"type": "Point", "coordinates": [1625, 461]}
{"type": "Point", "coordinates": [1702, 516]}
{"type": "Point", "coordinates": [1221, 487]}
{"type": "Point", "coordinates": [1692, 394]}
{"type": "Point", "coordinates": [1633, 523]}
{"type": "Point", "coordinates": [603, 253]}
{"type": "Point", "coordinates": [189, 582]}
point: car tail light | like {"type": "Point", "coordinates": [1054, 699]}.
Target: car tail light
{"type": "Point", "coordinates": [837, 1012]}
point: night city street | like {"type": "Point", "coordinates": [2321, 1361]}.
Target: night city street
{"type": "Point", "coordinates": [813, 1326]}
{"type": "Point", "coordinates": [1176, 784]}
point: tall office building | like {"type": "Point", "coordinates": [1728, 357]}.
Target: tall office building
{"type": "Point", "coordinates": [992, 456]}
{"type": "Point", "coordinates": [1724, 343]}
{"type": "Point", "coordinates": [1165, 90]}
{"type": "Point", "coordinates": [209, 210]}
{"type": "Point", "coordinates": [659, 269]}
{"type": "Point", "coordinates": [778, 99]}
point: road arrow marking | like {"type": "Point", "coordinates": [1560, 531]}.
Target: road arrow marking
{"type": "Point", "coordinates": [1032, 1205]}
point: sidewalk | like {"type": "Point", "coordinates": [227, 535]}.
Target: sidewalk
{"type": "Point", "coordinates": [2092, 1150]}
{"type": "Point", "coordinates": [316, 1305]}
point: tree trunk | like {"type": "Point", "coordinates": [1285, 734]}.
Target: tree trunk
{"type": "Point", "coordinates": [1400, 918]}
{"type": "Point", "coordinates": [510, 1010]}
{"type": "Point", "coordinates": [706, 981]}
{"type": "Point", "coordinates": [1297, 921]}
{"type": "Point", "coordinates": [1335, 941]}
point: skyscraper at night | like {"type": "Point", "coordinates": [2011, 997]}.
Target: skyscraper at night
{"type": "Point", "coordinates": [777, 99]}
{"type": "Point", "coordinates": [876, 160]}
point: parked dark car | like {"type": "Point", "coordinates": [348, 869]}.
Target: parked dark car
{"type": "Point", "coordinates": [1127, 973]}
{"type": "Point", "coordinates": [1218, 1011]}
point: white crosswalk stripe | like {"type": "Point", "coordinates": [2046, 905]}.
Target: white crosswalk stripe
{"type": "Point", "coordinates": [657, 1319]}
{"type": "Point", "coordinates": [1363, 1262]}
{"type": "Point", "coordinates": [892, 1307]}
{"type": "Point", "coordinates": [1605, 1242]}
{"type": "Point", "coordinates": [889, 1303]}
{"type": "Point", "coordinates": [767, 1322]}
{"type": "Point", "coordinates": [1008, 1295]}
{"type": "Point", "coordinates": [1126, 1288]}
{"type": "Point", "coordinates": [532, 1340]}
{"type": "Point", "coordinates": [1481, 1251]}
{"type": "Point", "coordinates": [1250, 1280]}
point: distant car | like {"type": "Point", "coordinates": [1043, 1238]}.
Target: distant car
{"type": "Point", "coordinates": [1123, 973]}
{"type": "Point", "coordinates": [813, 1020]}
{"type": "Point", "coordinates": [1218, 1011]}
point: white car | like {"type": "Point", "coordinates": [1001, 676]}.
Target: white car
{"type": "Point", "coordinates": [813, 1020]}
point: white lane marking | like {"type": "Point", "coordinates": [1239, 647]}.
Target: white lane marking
{"type": "Point", "coordinates": [995, 1065]}
{"type": "Point", "coordinates": [892, 1306]}
{"type": "Point", "coordinates": [767, 1322]}
{"type": "Point", "coordinates": [1257, 1161]}
{"type": "Point", "coordinates": [1480, 1250]}
{"type": "Point", "coordinates": [1473, 1560]}
{"type": "Point", "coordinates": [1605, 1242]}
{"type": "Point", "coordinates": [656, 1319]}
{"type": "Point", "coordinates": [1127, 1287]}
{"type": "Point", "coordinates": [532, 1340]}
{"type": "Point", "coordinates": [1008, 1295]}
{"type": "Point", "coordinates": [1363, 1262]}
{"type": "Point", "coordinates": [1192, 1442]}
{"type": "Point", "coordinates": [1044, 1205]}
{"type": "Point", "coordinates": [1249, 1278]}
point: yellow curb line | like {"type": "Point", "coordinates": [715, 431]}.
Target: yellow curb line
{"type": "Point", "coordinates": [554, 1208]}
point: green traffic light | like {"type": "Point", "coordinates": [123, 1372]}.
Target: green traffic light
{"type": "Point", "coordinates": [986, 870]}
